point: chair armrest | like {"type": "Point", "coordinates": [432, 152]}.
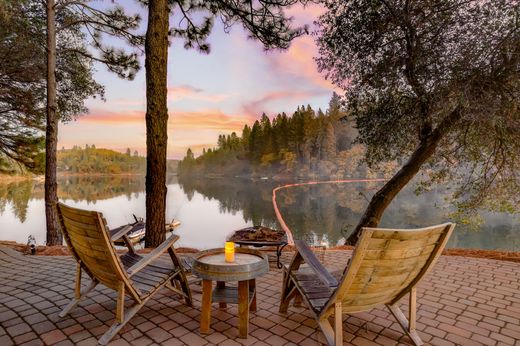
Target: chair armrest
{"type": "Point", "coordinates": [311, 260]}
{"type": "Point", "coordinates": [143, 262]}
{"type": "Point", "coordinates": [118, 232]}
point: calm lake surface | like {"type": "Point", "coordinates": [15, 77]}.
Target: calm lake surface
{"type": "Point", "coordinates": [210, 209]}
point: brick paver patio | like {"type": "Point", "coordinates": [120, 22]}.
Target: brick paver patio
{"type": "Point", "coordinates": [464, 301]}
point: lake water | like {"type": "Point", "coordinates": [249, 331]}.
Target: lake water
{"type": "Point", "coordinates": [210, 209]}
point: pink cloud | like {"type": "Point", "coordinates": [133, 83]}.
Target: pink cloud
{"type": "Point", "coordinates": [294, 68]}
{"type": "Point", "coordinates": [305, 14]}
{"type": "Point", "coordinates": [298, 62]}
{"type": "Point", "coordinates": [183, 92]}
{"type": "Point", "coordinates": [255, 108]}
{"type": "Point", "coordinates": [193, 129]}
{"type": "Point", "coordinates": [210, 119]}
{"type": "Point", "coordinates": [103, 116]}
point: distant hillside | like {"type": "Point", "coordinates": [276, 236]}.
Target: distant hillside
{"type": "Point", "coordinates": [91, 160]}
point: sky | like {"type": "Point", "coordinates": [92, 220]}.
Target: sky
{"type": "Point", "coordinates": [208, 95]}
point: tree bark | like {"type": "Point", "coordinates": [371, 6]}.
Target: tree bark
{"type": "Point", "coordinates": [51, 133]}
{"type": "Point", "coordinates": [387, 193]}
{"type": "Point", "coordinates": [156, 50]}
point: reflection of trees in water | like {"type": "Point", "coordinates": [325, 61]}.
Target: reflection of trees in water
{"type": "Point", "coordinates": [18, 195]}
{"type": "Point", "coordinates": [317, 211]}
{"type": "Point", "coordinates": [93, 188]}
{"type": "Point", "coordinates": [234, 195]}
{"type": "Point", "coordinates": [491, 236]}
{"type": "Point", "coordinates": [323, 210]}
{"type": "Point", "coordinates": [311, 211]}
{"type": "Point", "coordinates": [307, 210]}
{"type": "Point", "coordinates": [77, 188]}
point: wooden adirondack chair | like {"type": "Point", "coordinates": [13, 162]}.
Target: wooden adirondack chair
{"type": "Point", "coordinates": [386, 265]}
{"type": "Point", "coordinates": [130, 274]}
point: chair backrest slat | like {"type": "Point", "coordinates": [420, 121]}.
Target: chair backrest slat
{"type": "Point", "coordinates": [387, 263]}
{"type": "Point", "coordinates": [87, 237]}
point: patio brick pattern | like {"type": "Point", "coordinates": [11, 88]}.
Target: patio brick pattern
{"type": "Point", "coordinates": [464, 301]}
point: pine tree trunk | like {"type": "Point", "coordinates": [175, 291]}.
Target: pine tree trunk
{"type": "Point", "coordinates": [387, 193]}
{"type": "Point", "coordinates": [51, 135]}
{"type": "Point", "coordinates": [156, 49]}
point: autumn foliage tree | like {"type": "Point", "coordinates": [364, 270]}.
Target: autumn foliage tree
{"type": "Point", "coordinates": [433, 84]}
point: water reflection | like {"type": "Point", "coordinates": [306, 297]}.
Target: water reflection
{"type": "Point", "coordinates": [210, 209]}
{"type": "Point", "coordinates": [91, 189]}
{"type": "Point", "coordinates": [17, 194]}
{"type": "Point", "coordinates": [327, 213]}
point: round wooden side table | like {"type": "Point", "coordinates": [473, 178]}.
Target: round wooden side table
{"type": "Point", "coordinates": [210, 265]}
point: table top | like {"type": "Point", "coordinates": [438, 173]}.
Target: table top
{"type": "Point", "coordinates": [248, 264]}
{"type": "Point", "coordinates": [240, 258]}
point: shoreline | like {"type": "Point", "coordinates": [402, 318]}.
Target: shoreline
{"type": "Point", "coordinates": [13, 178]}
{"type": "Point", "coordinates": [61, 250]}
{"type": "Point", "coordinates": [4, 178]}
{"type": "Point", "coordinates": [68, 174]}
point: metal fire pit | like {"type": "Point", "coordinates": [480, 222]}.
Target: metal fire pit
{"type": "Point", "coordinates": [259, 236]}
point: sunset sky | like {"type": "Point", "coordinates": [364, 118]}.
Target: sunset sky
{"type": "Point", "coordinates": [208, 94]}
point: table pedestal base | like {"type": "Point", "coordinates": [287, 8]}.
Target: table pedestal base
{"type": "Point", "coordinates": [244, 296]}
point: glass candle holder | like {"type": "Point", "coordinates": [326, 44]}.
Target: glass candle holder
{"type": "Point", "coordinates": [229, 251]}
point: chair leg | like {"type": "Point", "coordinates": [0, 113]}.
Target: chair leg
{"type": "Point", "coordinates": [116, 327]}
{"type": "Point", "coordinates": [412, 316]}
{"type": "Point", "coordinates": [289, 295]}
{"type": "Point", "coordinates": [288, 286]}
{"type": "Point", "coordinates": [338, 324]}
{"type": "Point", "coordinates": [334, 335]}
{"type": "Point", "coordinates": [181, 277]}
{"type": "Point", "coordinates": [285, 291]}
{"type": "Point", "coordinates": [297, 299]}
{"type": "Point", "coordinates": [289, 291]}
{"type": "Point", "coordinates": [120, 308]}
{"type": "Point", "coordinates": [185, 288]}
{"type": "Point", "coordinates": [77, 289]}
{"type": "Point", "coordinates": [76, 299]}
{"type": "Point", "coordinates": [328, 331]}
{"type": "Point", "coordinates": [408, 325]}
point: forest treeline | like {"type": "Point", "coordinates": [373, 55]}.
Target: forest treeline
{"type": "Point", "coordinates": [307, 143]}
{"type": "Point", "coordinates": [92, 160]}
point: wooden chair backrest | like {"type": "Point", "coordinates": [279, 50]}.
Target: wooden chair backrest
{"type": "Point", "coordinates": [87, 237]}
{"type": "Point", "coordinates": [387, 263]}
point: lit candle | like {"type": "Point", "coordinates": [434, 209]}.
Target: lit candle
{"type": "Point", "coordinates": [229, 251]}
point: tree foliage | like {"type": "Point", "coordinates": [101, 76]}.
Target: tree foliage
{"type": "Point", "coordinates": [431, 82]}
{"type": "Point", "coordinates": [91, 160]}
{"type": "Point", "coordinates": [70, 25]}
{"type": "Point", "coordinates": [89, 23]}
{"type": "Point", "coordinates": [23, 67]}
{"type": "Point", "coordinates": [22, 88]}
{"type": "Point", "coordinates": [309, 140]}
{"type": "Point", "coordinates": [263, 20]}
